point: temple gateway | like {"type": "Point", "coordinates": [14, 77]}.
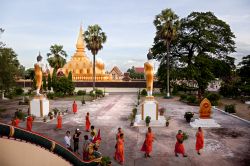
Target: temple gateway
{"type": "Point", "coordinates": [81, 66]}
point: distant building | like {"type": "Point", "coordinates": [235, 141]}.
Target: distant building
{"type": "Point", "coordinates": [116, 73]}
{"type": "Point", "coordinates": [139, 69]}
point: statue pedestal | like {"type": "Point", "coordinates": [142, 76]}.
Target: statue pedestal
{"type": "Point", "coordinates": [39, 106]}
{"type": "Point", "coordinates": [204, 123]}
{"type": "Point", "coordinates": [149, 108]}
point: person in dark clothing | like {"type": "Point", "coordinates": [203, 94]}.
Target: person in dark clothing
{"type": "Point", "coordinates": [76, 140]}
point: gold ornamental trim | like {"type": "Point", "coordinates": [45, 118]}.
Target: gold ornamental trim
{"type": "Point", "coordinates": [53, 145]}
{"type": "Point", "coordinates": [157, 106]}
{"type": "Point", "coordinates": [12, 131]}
{"type": "Point", "coordinates": [142, 114]}
{"type": "Point", "coordinates": [41, 108]}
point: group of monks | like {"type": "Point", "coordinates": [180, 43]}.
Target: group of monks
{"type": "Point", "coordinates": [91, 144]}
{"type": "Point", "coordinates": [147, 146]}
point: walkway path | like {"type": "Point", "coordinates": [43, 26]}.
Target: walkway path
{"type": "Point", "coordinates": [229, 145]}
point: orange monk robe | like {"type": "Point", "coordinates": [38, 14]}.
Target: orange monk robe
{"type": "Point", "coordinates": [15, 122]}
{"type": "Point", "coordinates": [179, 147]}
{"type": "Point", "coordinates": [59, 122]}
{"type": "Point", "coordinates": [87, 124]}
{"type": "Point", "coordinates": [199, 140]}
{"type": "Point", "coordinates": [29, 123]}
{"type": "Point", "coordinates": [119, 153]}
{"type": "Point", "coordinates": [148, 143]}
{"type": "Point", "coordinates": [74, 107]}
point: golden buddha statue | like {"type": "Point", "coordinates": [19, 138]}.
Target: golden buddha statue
{"type": "Point", "coordinates": [39, 68]}
{"type": "Point", "coordinates": [205, 108]}
{"type": "Point", "coordinates": [81, 66]}
{"type": "Point", "coordinates": [149, 73]}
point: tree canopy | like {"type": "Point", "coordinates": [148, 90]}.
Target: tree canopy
{"type": "Point", "coordinates": [56, 56]}
{"type": "Point", "coordinates": [201, 47]}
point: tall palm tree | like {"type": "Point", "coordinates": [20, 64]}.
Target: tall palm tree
{"type": "Point", "coordinates": [166, 24]}
{"type": "Point", "coordinates": [94, 38]}
{"type": "Point", "coordinates": [57, 56]}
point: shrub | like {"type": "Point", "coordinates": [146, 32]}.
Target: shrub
{"type": "Point", "coordinates": [148, 119]}
{"type": "Point", "coordinates": [99, 92]}
{"type": "Point", "coordinates": [92, 94]}
{"type": "Point", "coordinates": [191, 99]}
{"type": "Point", "coordinates": [162, 110]}
{"type": "Point", "coordinates": [188, 116]}
{"type": "Point", "coordinates": [183, 97]}
{"type": "Point", "coordinates": [18, 91]}
{"type": "Point", "coordinates": [63, 85]}
{"type": "Point", "coordinates": [134, 112]}
{"type": "Point", "coordinates": [55, 110]}
{"type": "Point", "coordinates": [20, 114]}
{"type": "Point", "coordinates": [106, 161]}
{"type": "Point", "coordinates": [81, 92]}
{"type": "Point", "coordinates": [59, 94]}
{"type": "Point", "coordinates": [213, 98]}
{"type": "Point", "coordinates": [50, 95]}
{"type": "Point", "coordinates": [144, 92]}
{"type": "Point", "coordinates": [230, 108]}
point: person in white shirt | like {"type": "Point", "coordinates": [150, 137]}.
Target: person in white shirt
{"type": "Point", "coordinates": [67, 139]}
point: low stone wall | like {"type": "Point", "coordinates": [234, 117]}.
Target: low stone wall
{"type": "Point", "coordinates": [120, 84]}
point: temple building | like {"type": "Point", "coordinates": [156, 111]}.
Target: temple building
{"type": "Point", "coordinates": [81, 66]}
{"type": "Point", "coordinates": [116, 73]}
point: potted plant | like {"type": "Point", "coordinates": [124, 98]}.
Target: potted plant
{"type": "Point", "coordinates": [55, 110]}
{"type": "Point", "coordinates": [167, 121]}
{"type": "Point", "coordinates": [132, 119]}
{"type": "Point", "coordinates": [45, 119]}
{"type": "Point", "coordinates": [147, 120]}
{"type": "Point", "coordinates": [162, 111]}
{"type": "Point", "coordinates": [188, 116]}
{"type": "Point", "coordinates": [106, 161]}
{"type": "Point", "coordinates": [50, 114]}
{"type": "Point", "coordinates": [83, 100]}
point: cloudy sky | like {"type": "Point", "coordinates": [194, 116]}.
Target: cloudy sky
{"type": "Point", "coordinates": [34, 25]}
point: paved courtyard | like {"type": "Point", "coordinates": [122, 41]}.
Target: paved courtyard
{"type": "Point", "coordinates": [228, 145]}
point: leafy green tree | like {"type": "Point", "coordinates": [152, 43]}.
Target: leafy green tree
{"type": "Point", "coordinates": [1, 43]}
{"type": "Point", "coordinates": [202, 37]}
{"type": "Point", "coordinates": [56, 56]}
{"type": "Point", "coordinates": [202, 73]}
{"type": "Point", "coordinates": [9, 66]}
{"type": "Point", "coordinates": [202, 33]}
{"type": "Point", "coordinates": [166, 24]}
{"type": "Point", "coordinates": [244, 73]}
{"type": "Point", "coordinates": [49, 82]}
{"type": "Point", "coordinates": [64, 86]}
{"type": "Point", "coordinates": [44, 83]}
{"type": "Point", "coordinates": [134, 75]}
{"type": "Point", "coordinates": [70, 76]}
{"type": "Point", "coordinates": [95, 38]}
{"type": "Point", "coordinates": [30, 73]}
{"type": "Point", "coordinates": [54, 79]}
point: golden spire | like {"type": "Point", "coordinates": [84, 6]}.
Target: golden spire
{"type": "Point", "coordinates": [80, 47]}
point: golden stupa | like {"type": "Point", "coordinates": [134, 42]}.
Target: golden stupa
{"type": "Point", "coordinates": [81, 66]}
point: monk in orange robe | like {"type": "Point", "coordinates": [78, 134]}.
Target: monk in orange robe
{"type": "Point", "coordinates": [15, 122]}
{"type": "Point", "coordinates": [87, 123]}
{"type": "Point", "coordinates": [119, 133]}
{"type": "Point", "coordinates": [148, 143]}
{"type": "Point", "coordinates": [119, 153]}
{"type": "Point", "coordinates": [199, 140]}
{"type": "Point", "coordinates": [179, 147]}
{"type": "Point", "coordinates": [29, 123]}
{"type": "Point", "coordinates": [74, 107]}
{"type": "Point", "coordinates": [59, 121]}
